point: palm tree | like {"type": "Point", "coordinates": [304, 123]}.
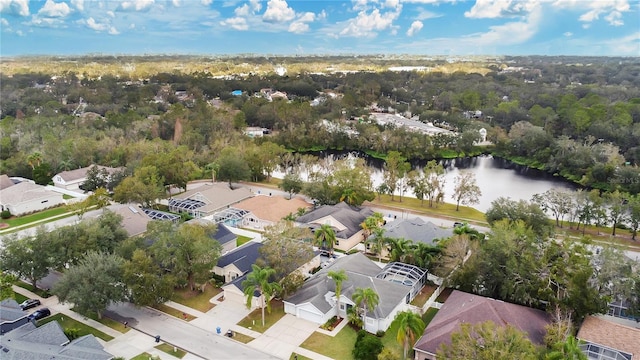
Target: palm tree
{"type": "Point", "coordinates": [325, 237]}
{"type": "Point", "coordinates": [424, 254]}
{"type": "Point", "coordinates": [368, 298]}
{"type": "Point", "coordinates": [338, 277]}
{"type": "Point", "coordinates": [258, 280]}
{"type": "Point", "coordinates": [567, 350]}
{"type": "Point", "coordinates": [349, 196]}
{"type": "Point", "coordinates": [400, 249]}
{"type": "Point", "coordinates": [34, 160]}
{"type": "Point", "coordinates": [410, 328]}
{"type": "Point", "coordinates": [371, 224]}
{"type": "Point", "coordinates": [379, 241]}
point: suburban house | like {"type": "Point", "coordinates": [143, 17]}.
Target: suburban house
{"type": "Point", "coordinates": [226, 238]}
{"type": "Point", "coordinates": [606, 337]}
{"type": "Point", "coordinates": [463, 307]}
{"type": "Point", "coordinates": [11, 315]}
{"type": "Point", "coordinates": [416, 230]}
{"type": "Point", "coordinates": [72, 179]}
{"type": "Point", "coordinates": [134, 219]}
{"type": "Point", "coordinates": [237, 262]}
{"type": "Point", "coordinates": [48, 341]}
{"type": "Point", "coordinates": [343, 218]}
{"type": "Point", "coordinates": [396, 285]}
{"type": "Point", "coordinates": [207, 199]}
{"type": "Point", "coordinates": [5, 182]}
{"type": "Point", "coordinates": [25, 197]}
{"type": "Point", "coordinates": [264, 210]}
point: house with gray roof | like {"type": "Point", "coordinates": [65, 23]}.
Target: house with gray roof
{"type": "Point", "coordinates": [11, 315]}
{"type": "Point", "coordinates": [343, 218]}
{"type": "Point", "coordinates": [463, 307]}
{"type": "Point", "coordinates": [207, 199]}
{"type": "Point", "coordinates": [416, 230]}
{"type": "Point", "coordinates": [234, 266]}
{"type": "Point", "coordinates": [47, 342]}
{"type": "Point", "coordinates": [396, 286]}
{"type": "Point", "coordinates": [72, 179]}
{"type": "Point", "coordinates": [226, 238]}
{"type": "Point", "coordinates": [26, 198]}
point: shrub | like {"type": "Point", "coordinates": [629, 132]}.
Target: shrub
{"type": "Point", "coordinates": [367, 346]}
{"type": "Point", "coordinates": [5, 214]}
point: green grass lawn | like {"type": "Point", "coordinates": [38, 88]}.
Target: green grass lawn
{"type": "Point", "coordinates": [245, 339]}
{"type": "Point", "coordinates": [445, 210]}
{"type": "Point", "coordinates": [299, 357]}
{"type": "Point", "coordinates": [69, 323]}
{"type": "Point", "coordinates": [428, 315]}
{"type": "Point", "coordinates": [19, 297]}
{"type": "Point", "coordinates": [179, 353]}
{"type": "Point", "coordinates": [389, 339]}
{"type": "Point", "coordinates": [253, 321]}
{"type": "Point", "coordinates": [37, 291]}
{"type": "Point", "coordinates": [335, 347]}
{"type": "Point", "coordinates": [173, 312]}
{"type": "Point", "coordinates": [241, 240]}
{"type": "Point", "coordinates": [22, 220]}
{"type": "Point", "coordinates": [143, 356]}
{"type": "Point", "coordinates": [197, 299]}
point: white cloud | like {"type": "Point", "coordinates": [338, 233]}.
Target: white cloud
{"type": "Point", "coordinates": [611, 10]}
{"type": "Point", "coordinates": [78, 4]}
{"type": "Point", "coordinates": [53, 9]}
{"type": "Point", "coordinates": [426, 15]}
{"type": "Point", "coordinates": [206, 2]}
{"type": "Point", "coordinates": [368, 24]}
{"type": "Point", "coordinates": [415, 27]}
{"type": "Point", "coordinates": [175, 3]}
{"type": "Point", "coordinates": [111, 14]}
{"type": "Point", "coordinates": [278, 11]}
{"type": "Point", "coordinates": [256, 5]}
{"type": "Point", "coordinates": [500, 8]}
{"type": "Point", "coordinates": [322, 15]}
{"type": "Point", "coordinates": [300, 25]}
{"type": "Point", "coordinates": [242, 10]}
{"type": "Point", "coordinates": [627, 45]}
{"type": "Point", "coordinates": [614, 18]}
{"type": "Point", "coordinates": [136, 5]}
{"type": "Point", "coordinates": [113, 31]}
{"type": "Point", "coordinates": [568, 34]}
{"type": "Point", "coordinates": [391, 3]}
{"type": "Point", "coordinates": [237, 23]}
{"type": "Point", "coordinates": [94, 25]}
{"type": "Point", "coordinates": [4, 22]}
{"type": "Point", "coordinates": [510, 33]}
{"type": "Point", "coordinates": [18, 7]}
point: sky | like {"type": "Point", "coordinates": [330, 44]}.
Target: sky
{"type": "Point", "coordinates": [317, 27]}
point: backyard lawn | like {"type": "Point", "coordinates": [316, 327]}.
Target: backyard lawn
{"type": "Point", "coordinates": [428, 315]}
{"type": "Point", "coordinates": [253, 321]}
{"type": "Point", "coordinates": [69, 323]}
{"type": "Point", "coordinates": [336, 347]}
{"type": "Point", "coordinates": [445, 210]}
{"type": "Point", "coordinates": [197, 299]}
{"type": "Point", "coordinates": [424, 295]}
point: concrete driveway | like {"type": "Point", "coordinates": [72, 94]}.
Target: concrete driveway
{"type": "Point", "coordinates": [284, 337]}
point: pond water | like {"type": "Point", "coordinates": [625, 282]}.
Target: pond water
{"type": "Point", "coordinates": [496, 177]}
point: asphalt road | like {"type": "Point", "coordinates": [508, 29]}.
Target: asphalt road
{"type": "Point", "coordinates": [199, 342]}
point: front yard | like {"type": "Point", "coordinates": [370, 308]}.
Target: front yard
{"type": "Point", "coordinates": [335, 347]}
{"type": "Point", "coordinates": [69, 323]}
{"type": "Point", "coordinates": [253, 321]}
{"type": "Point", "coordinates": [197, 299]}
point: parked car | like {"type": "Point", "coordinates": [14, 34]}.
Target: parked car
{"type": "Point", "coordinates": [39, 314]}
{"type": "Point", "coordinates": [29, 303]}
{"type": "Point", "coordinates": [457, 224]}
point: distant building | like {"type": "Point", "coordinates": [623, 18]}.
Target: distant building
{"type": "Point", "coordinates": [207, 199]}
{"type": "Point", "coordinates": [26, 197]}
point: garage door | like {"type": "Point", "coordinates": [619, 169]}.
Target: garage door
{"type": "Point", "coordinates": [311, 316]}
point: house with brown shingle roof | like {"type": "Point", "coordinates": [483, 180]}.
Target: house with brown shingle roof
{"type": "Point", "coordinates": [26, 197]}
{"type": "Point", "coordinates": [606, 337]}
{"type": "Point", "coordinates": [264, 210]}
{"type": "Point", "coordinates": [463, 307]}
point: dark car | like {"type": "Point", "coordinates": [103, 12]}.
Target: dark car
{"type": "Point", "coordinates": [457, 224]}
{"type": "Point", "coordinates": [29, 303]}
{"type": "Point", "coordinates": [39, 314]}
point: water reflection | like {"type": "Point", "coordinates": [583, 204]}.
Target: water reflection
{"type": "Point", "coordinates": [496, 177]}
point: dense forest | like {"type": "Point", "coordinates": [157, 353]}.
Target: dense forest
{"type": "Point", "coordinates": [575, 117]}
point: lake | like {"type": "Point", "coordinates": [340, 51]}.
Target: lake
{"type": "Point", "coordinates": [496, 177]}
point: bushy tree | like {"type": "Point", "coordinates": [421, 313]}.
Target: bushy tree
{"type": "Point", "coordinates": [26, 257]}
{"type": "Point", "coordinates": [530, 213]}
{"type": "Point", "coordinates": [148, 284]}
{"type": "Point", "coordinates": [367, 346]}
{"type": "Point", "coordinates": [93, 284]}
{"type": "Point", "coordinates": [465, 190]}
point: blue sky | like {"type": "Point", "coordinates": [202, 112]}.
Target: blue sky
{"type": "Point", "coordinates": [314, 27]}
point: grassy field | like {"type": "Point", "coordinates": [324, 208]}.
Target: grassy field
{"type": "Point", "coordinates": [196, 299]}
{"type": "Point", "coordinates": [253, 321]}
{"type": "Point", "coordinates": [179, 353]}
{"type": "Point", "coordinates": [69, 323]}
{"type": "Point", "coordinates": [174, 312]}
{"type": "Point", "coordinates": [428, 315]}
{"type": "Point", "coordinates": [143, 356]}
{"type": "Point", "coordinates": [446, 210]}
